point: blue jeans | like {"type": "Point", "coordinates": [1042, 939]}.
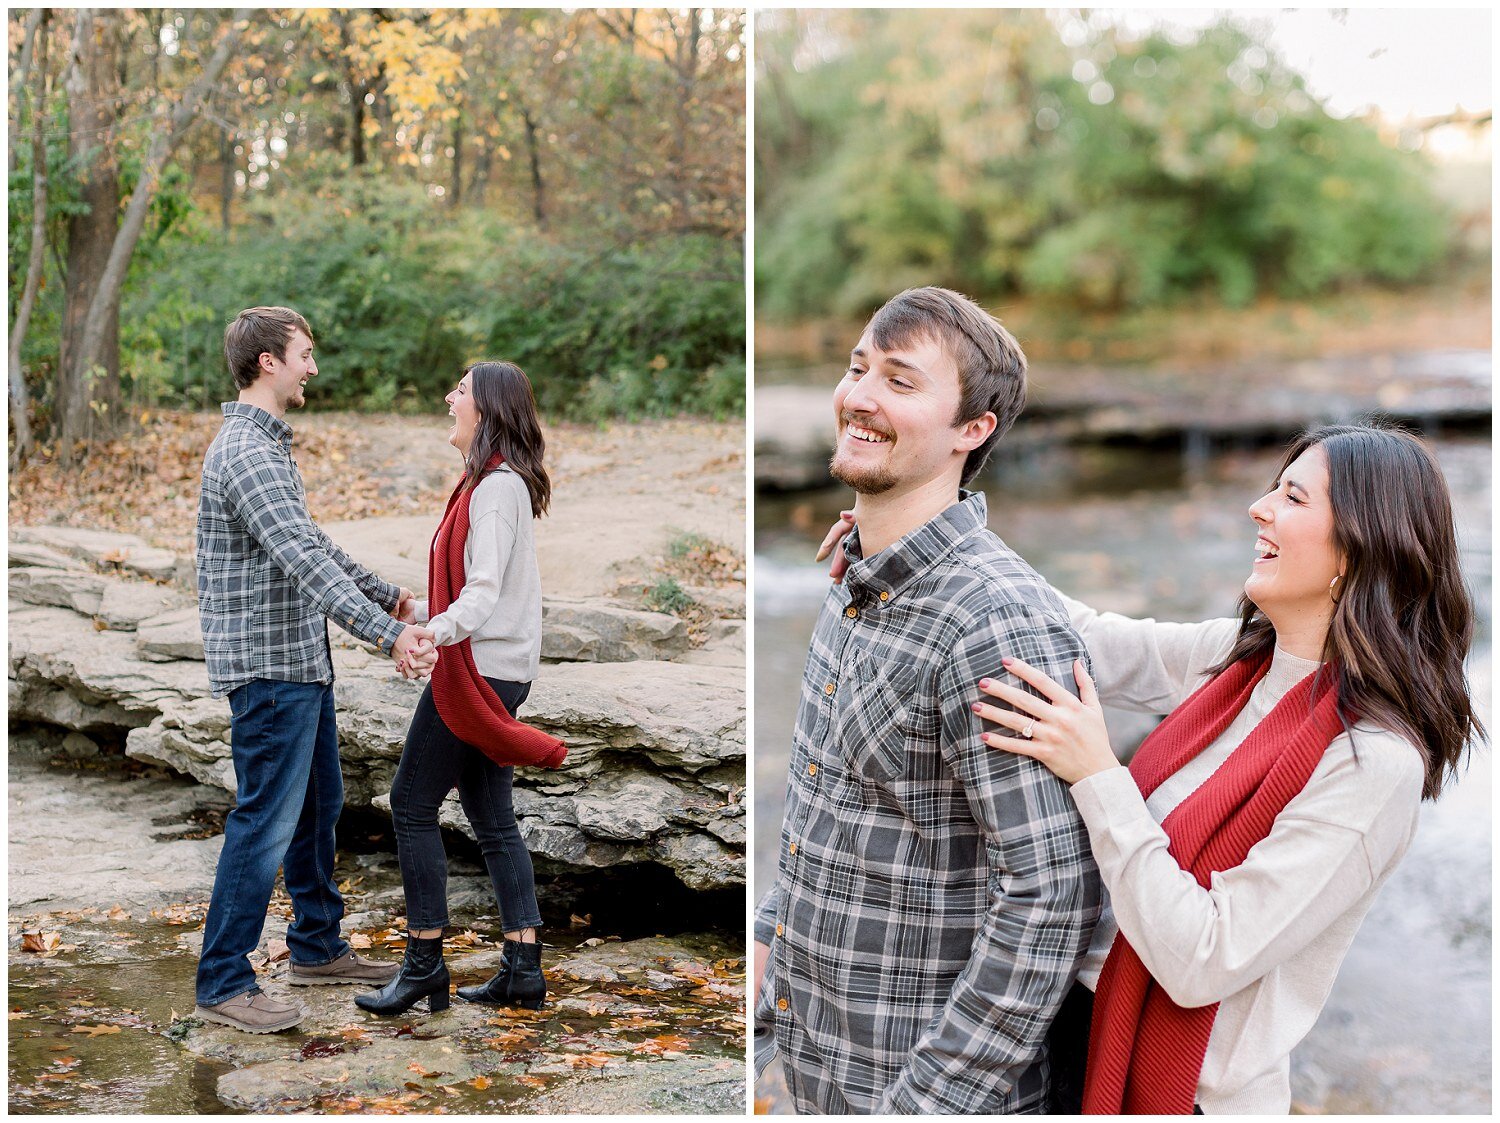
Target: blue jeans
{"type": "Point", "coordinates": [433, 763]}
{"type": "Point", "coordinates": [288, 798]}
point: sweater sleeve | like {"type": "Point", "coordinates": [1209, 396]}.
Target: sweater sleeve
{"type": "Point", "coordinates": [492, 533]}
{"type": "Point", "coordinates": [1148, 665]}
{"type": "Point", "coordinates": [1340, 835]}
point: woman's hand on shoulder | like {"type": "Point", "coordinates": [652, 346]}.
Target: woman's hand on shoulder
{"type": "Point", "coordinates": [831, 540]}
{"type": "Point", "coordinates": [1064, 733]}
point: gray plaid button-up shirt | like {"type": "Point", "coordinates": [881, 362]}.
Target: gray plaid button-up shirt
{"type": "Point", "coordinates": [935, 896]}
{"type": "Point", "coordinates": [267, 577]}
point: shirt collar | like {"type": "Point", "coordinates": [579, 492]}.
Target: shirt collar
{"type": "Point", "coordinates": [909, 557]}
{"type": "Point", "coordinates": [275, 427]}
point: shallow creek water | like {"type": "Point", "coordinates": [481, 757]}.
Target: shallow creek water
{"type": "Point", "coordinates": [100, 1013]}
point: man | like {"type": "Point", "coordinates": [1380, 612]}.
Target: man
{"type": "Point", "coordinates": [934, 896]}
{"type": "Point", "coordinates": [267, 578]}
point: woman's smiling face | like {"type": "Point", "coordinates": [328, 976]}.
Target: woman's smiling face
{"type": "Point", "coordinates": [465, 415]}
{"type": "Point", "coordinates": [1296, 560]}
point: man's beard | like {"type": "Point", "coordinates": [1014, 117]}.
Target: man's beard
{"type": "Point", "coordinates": [865, 481]}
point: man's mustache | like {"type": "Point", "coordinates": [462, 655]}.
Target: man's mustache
{"type": "Point", "coordinates": [850, 419]}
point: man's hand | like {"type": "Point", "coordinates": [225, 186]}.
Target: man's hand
{"type": "Point", "coordinates": [762, 955]}
{"type": "Point", "coordinates": [414, 652]}
{"type": "Point", "coordinates": [406, 607]}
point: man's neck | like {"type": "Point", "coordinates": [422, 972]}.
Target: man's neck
{"type": "Point", "coordinates": [883, 519]}
{"type": "Point", "coordinates": [264, 399]}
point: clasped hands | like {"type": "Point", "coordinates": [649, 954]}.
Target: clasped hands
{"type": "Point", "coordinates": [414, 650]}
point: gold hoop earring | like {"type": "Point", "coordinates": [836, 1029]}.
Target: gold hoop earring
{"type": "Point", "coordinates": [1332, 585]}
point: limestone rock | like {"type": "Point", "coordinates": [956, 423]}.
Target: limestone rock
{"type": "Point", "coordinates": [34, 553]}
{"type": "Point", "coordinates": [120, 605]}
{"type": "Point", "coordinates": [125, 604]}
{"type": "Point", "coordinates": [191, 738]}
{"type": "Point", "coordinates": [172, 635]}
{"type": "Point", "coordinates": [608, 632]}
{"type": "Point", "coordinates": [75, 589]}
{"type": "Point", "coordinates": [102, 547]}
{"type": "Point", "coordinates": [63, 671]}
{"type": "Point", "coordinates": [380, 1069]}
{"type": "Point", "coordinates": [654, 773]}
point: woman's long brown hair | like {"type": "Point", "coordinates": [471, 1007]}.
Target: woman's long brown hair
{"type": "Point", "coordinates": [1404, 618]}
{"type": "Point", "coordinates": [508, 424]}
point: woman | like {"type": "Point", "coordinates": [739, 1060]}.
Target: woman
{"type": "Point", "coordinates": [463, 732]}
{"type": "Point", "coordinates": [1253, 828]}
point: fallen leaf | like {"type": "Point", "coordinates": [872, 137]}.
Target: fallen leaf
{"type": "Point", "coordinates": [39, 942]}
{"type": "Point", "coordinates": [96, 1031]}
{"type": "Point", "coordinates": [481, 1082]}
{"type": "Point", "coordinates": [589, 1060]}
{"type": "Point", "coordinates": [359, 940]}
{"type": "Point", "coordinates": [531, 1081]}
{"type": "Point", "coordinates": [576, 921]}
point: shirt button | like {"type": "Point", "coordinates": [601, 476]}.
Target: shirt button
{"type": "Point", "coordinates": [828, 688]}
{"type": "Point", "coordinates": [792, 849]}
{"type": "Point", "coordinates": [884, 595]}
{"type": "Point", "coordinates": [778, 929]}
{"type": "Point", "coordinates": [812, 769]}
{"type": "Point", "coordinates": [851, 612]}
{"type": "Point", "coordinates": [781, 1004]}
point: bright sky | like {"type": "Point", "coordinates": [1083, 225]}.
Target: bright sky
{"type": "Point", "coordinates": [1404, 62]}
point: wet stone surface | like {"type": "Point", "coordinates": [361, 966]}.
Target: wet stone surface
{"type": "Point", "coordinates": [104, 933]}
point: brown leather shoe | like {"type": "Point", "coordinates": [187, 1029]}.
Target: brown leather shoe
{"type": "Point", "coordinates": [349, 968]}
{"type": "Point", "coordinates": [253, 1012]}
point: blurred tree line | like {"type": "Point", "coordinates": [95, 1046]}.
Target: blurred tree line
{"type": "Point", "coordinates": [560, 188]}
{"type": "Point", "coordinates": [1001, 154]}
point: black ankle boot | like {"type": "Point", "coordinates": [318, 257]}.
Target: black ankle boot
{"type": "Point", "coordinates": [519, 981]}
{"type": "Point", "coordinates": [423, 974]}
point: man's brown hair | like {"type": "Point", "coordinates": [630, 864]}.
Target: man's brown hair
{"type": "Point", "coordinates": [255, 332]}
{"type": "Point", "coordinates": [991, 365]}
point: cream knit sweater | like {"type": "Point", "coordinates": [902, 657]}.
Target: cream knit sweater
{"type": "Point", "coordinates": [499, 609]}
{"type": "Point", "coordinates": [1265, 940]}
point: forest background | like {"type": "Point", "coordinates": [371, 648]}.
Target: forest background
{"type": "Point", "coordinates": [1129, 195]}
{"type": "Point", "coordinates": [561, 188]}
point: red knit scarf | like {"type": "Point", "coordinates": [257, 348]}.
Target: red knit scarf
{"type": "Point", "coordinates": [1145, 1051]}
{"type": "Point", "coordinates": [468, 705]}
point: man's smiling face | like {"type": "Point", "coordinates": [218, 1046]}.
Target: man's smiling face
{"type": "Point", "coordinates": [895, 415]}
{"type": "Point", "coordinates": [288, 377]}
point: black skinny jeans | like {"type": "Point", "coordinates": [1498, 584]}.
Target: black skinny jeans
{"type": "Point", "coordinates": [433, 762]}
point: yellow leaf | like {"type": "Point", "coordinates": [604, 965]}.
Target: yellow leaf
{"type": "Point", "coordinates": [96, 1031]}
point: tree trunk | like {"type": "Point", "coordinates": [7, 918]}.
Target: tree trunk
{"type": "Point", "coordinates": [20, 399]}
{"type": "Point", "coordinates": [227, 167]}
{"type": "Point", "coordinates": [533, 153]}
{"type": "Point", "coordinates": [483, 157]}
{"type": "Point", "coordinates": [687, 79]}
{"type": "Point", "coordinates": [34, 20]}
{"type": "Point", "coordinates": [457, 197]}
{"type": "Point", "coordinates": [356, 124]}
{"type": "Point", "coordinates": [171, 125]}
{"type": "Point", "coordinates": [92, 114]}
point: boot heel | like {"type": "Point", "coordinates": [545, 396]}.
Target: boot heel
{"type": "Point", "coordinates": [438, 1001]}
{"type": "Point", "coordinates": [533, 1004]}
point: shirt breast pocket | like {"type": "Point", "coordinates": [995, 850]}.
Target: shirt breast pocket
{"type": "Point", "coordinates": [881, 719]}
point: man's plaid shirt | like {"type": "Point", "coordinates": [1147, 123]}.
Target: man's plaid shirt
{"type": "Point", "coordinates": [267, 577]}
{"type": "Point", "coordinates": [935, 896]}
